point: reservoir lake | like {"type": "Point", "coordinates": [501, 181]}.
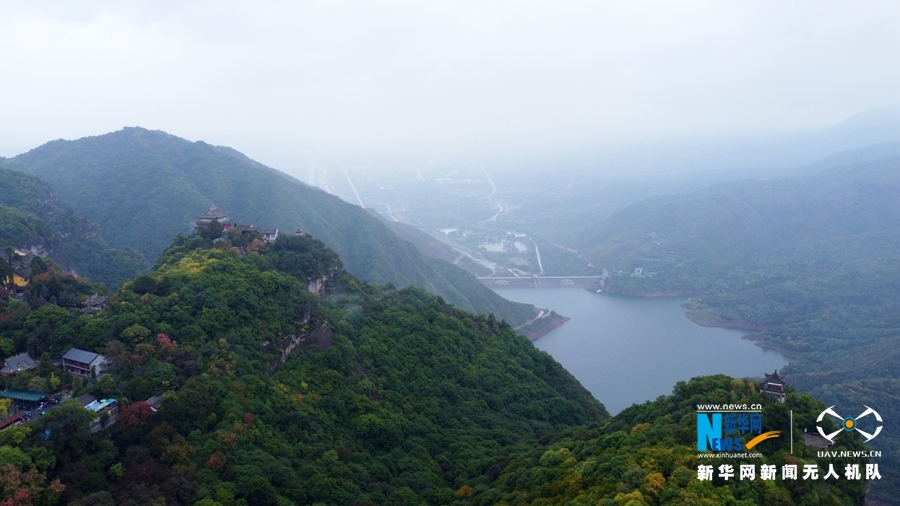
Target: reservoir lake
{"type": "Point", "coordinates": [628, 350]}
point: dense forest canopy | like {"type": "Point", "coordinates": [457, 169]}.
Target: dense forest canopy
{"type": "Point", "coordinates": [32, 218]}
{"type": "Point", "coordinates": [402, 399]}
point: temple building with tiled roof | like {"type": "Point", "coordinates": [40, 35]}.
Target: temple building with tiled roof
{"type": "Point", "coordinates": [267, 234]}
{"type": "Point", "coordinates": [774, 385]}
{"type": "Point", "coordinates": [16, 364]}
{"type": "Point", "coordinates": [95, 303]}
{"type": "Point", "coordinates": [214, 213]}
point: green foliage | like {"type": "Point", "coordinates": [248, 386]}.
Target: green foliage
{"type": "Point", "coordinates": [32, 217]}
{"type": "Point", "coordinates": [406, 400]}
{"type": "Point", "coordinates": [412, 399]}
{"type": "Point", "coordinates": [811, 264]}
{"type": "Point", "coordinates": [69, 431]}
{"type": "Point", "coordinates": [212, 231]}
{"type": "Point", "coordinates": [647, 455]}
{"type": "Point", "coordinates": [144, 187]}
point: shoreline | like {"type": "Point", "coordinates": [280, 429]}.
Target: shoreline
{"type": "Point", "coordinates": [743, 325]}
{"type": "Point", "coordinates": [541, 325]}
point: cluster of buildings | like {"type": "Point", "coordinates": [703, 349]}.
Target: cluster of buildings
{"type": "Point", "coordinates": [76, 362]}
{"type": "Point", "coordinates": [227, 222]}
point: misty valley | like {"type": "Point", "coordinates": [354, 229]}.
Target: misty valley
{"type": "Point", "coordinates": [180, 324]}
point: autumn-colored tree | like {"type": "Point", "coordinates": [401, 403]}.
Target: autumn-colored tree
{"type": "Point", "coordinates": [655, 483]}
{"type": "Point", "coordinates": [19, 488]}
{"type": "Point", "coordinates": [135, 415]}
{"type": "Point", "coordinates": [144, 351]}
{"type": "Point", "coordinates": [4, 407]}
{"type": "Point", "coordinates": [257, 246]}
{"type": "Point", "coordinates": [165, 346]}
{"type": "Point", "coordinates": [216, 461]}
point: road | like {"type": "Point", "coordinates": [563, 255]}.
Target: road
{"type": "Point", "coordinates": [538, 253]}
{"type": "Point", "coordinates": [352, 186]}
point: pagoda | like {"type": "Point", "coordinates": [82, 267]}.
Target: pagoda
{"type": "Point", "coordinates": [774, 385]}
{"type": "Point", "coordinates": [214, 213]}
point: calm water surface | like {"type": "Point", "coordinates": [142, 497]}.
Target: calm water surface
{"type": "Point", "coordinates": [629, 350]}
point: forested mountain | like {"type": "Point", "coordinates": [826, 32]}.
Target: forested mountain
{"type": "Point", "coordinates": [142, 187]}
{"type": "Point", "coordinates": [32, 219]}
{"type": "Point", "coordinates": [647, 454]}
{"type": "Point", "coordinates": [811, 264]}
{"type": "Point", "coordinates": [389, 397]}
{"type": "Point", "coordinates": [354, 394]}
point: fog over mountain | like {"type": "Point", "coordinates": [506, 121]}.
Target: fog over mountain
{"type": "Point", "coordinates": [288, 83]}
{"type": "Point", "coordinates": [418, 158]}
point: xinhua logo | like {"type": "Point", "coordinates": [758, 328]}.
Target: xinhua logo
{"type": "Point", "coordinates": [849, 423]}
{"type": "Point", "coordinates": [725, 432]}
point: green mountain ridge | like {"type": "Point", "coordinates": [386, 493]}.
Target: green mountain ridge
{"type": "Point", "coordinates": [142, 187]}
{"type": "Point", "coordinates": [405, 400]}
{"type": "Point", "coordinates": [33, 219]}
{"type": "Point", "coordinates": [401, 400]}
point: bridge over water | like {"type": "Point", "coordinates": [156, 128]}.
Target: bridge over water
{"type": "Point", "coordinates": [540, 281]}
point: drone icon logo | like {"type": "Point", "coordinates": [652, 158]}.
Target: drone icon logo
{"type": "Point", "coordinates": [849, 423]}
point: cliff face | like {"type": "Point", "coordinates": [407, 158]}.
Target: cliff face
{"type": "Point", "coordinates": [319, 334]}
{"type": "Point", "coordinates": [317, 286]}
{"type": "Point", "coordinates": [315, 331]}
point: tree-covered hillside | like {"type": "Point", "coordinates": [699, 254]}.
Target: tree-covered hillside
{"type": "Point", "coordinates": [402, 398]}
{"type": "Point", "coordinates": [391, 397]}
{"type": "Point", "coordinates": [142, 187]}
{"type": "Point", "coordinates": [31, 218]}
{"type": "Point", "coordinates": [647, 455]}
{"type": "Point", "coordinates": [810, 264]}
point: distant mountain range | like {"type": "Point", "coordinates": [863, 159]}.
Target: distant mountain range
{"type": "Point", "coordinates": [685, 242]}
{"type": "Point", "coordinates": [143, 187]}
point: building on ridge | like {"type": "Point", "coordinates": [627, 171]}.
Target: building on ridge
{"type": "Point", "coordinates": [267, 234]}
{"type": "Point", "coordinates": [214, 213]}
{"type": "Point", "coordinates": [774, 385]}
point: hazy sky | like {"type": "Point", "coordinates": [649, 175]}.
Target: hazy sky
{"type": "Point", "coordinates": [278, 79]}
